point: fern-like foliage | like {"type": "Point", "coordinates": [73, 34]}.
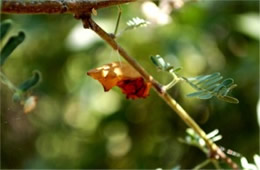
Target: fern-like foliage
{"type": "Point", "coordinates": [132, 24]}
{"type": "Point", "coordinates": [136, 23]}
{"type": "Point", "coordinates": [193, 139]}
{"type": "Point", "coordinates": [207, 86]}
{"type": "Point", "coordinates": [211, 85]}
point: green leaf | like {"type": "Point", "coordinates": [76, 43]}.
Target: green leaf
{"type": "Point", "coordinates": [201, 95]}
{"type": "Point", "coordinates": [205, 96]}
{"type": "Point", "coordinates": [30, 82]}
{"type": "Point", "coordinates": [229, 89]}
{"type": "Point", "coordinates": [211, 81]}
{"type": "Point", "coordinates": [227, 82]}
{"type": "Point", "coordinates": [196, 94]}
{"type": "Point", "coordinates": [228, 99]}
{"type": "Point", "coordinates": [4, 28]}
{"type": "Point", "coordinates": [160, 63]}
{"type": "Point", "coordinates": [224, 86]}
{"type": "Point", "coordinates": [218, 88]}
{"type": "Point", "coordinates": [203, 79]}
{"type": "Point", "coordinates": [176, 69]}
{"type": "Point", "coordinates": [211, 87]}
{"type": "Point", "coordinates": [9, 47]}
{"type": "Point", "coordinates": [208, 86]}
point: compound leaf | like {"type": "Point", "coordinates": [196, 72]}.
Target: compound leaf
{"type": "Point", "coordinates": [208, 86]}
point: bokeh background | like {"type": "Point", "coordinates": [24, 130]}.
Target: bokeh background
{"type": "Point", "coordinates": [77, 125]}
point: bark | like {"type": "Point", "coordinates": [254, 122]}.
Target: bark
{"type": "Point", "coordinates": [56, 6]}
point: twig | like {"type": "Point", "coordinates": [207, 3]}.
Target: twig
{"type": "Point", "coordinates": [216, 152]}
{"type": "Point", "coordinates": [56, 6]}
{"type": "Point", "coordinates": [118, 19]}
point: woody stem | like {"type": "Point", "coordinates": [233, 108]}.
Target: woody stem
{"type": "Point", "coordinates": [216, 152]}
{"type": "Point", "coordinates": [55, 6]}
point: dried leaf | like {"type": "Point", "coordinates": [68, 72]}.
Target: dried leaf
{"type": "Point", "coordinates": [124, 76]}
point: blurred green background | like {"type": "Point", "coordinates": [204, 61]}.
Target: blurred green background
{"type": "Point", "coordinates": [77, 125]}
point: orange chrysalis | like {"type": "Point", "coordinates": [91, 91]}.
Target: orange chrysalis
{"type": "Point", "coordinates": [124, 76]}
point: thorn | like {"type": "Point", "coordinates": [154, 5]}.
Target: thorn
{"type": "Point", "coordinates": [94, 11]}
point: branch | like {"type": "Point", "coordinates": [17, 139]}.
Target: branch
{"type": "Point", "coordinates": [56, 6]}
{"type": "Point", "coordinates": [216, 152]}
{"type": "Point", "coordinates": [79, 7]}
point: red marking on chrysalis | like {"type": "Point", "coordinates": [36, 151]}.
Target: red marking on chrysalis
{"type": "Point", "coordinates": [135, 88]}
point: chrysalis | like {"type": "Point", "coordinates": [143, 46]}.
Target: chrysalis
{"type": "Point", "coordinates": [124, 76]}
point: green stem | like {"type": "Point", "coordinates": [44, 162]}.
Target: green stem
{"type": "Point", "coordinates": [216, 164]}
{"type": "Point", "coordinates": [7, 82]}
{"type": "Point", "coordinates": [202, 164]}
{"type": "Point", "coordinates": [175, 80]}
{"type": "Point", "coordinates": [118, 20]}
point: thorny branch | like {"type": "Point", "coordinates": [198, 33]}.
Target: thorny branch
{"type": "Point", "coordinates": [56, 6]}
{"type": "Point", "coordinates": [79, 7]}
{"type": "Point", "coordinates": [216, 152]}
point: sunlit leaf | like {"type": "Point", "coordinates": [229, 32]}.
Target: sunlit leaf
{"type": "Point", "coordinates": [248, 23]}
{"type": "Point", "coordinates": [246, 165]}
{"type": "Point", "coordinates": [136, 22]}
{"type": "Point", "coordinates": [213, 133]}
{"type": "Point", "coordinates": [257, 160]}
{"type": "Point", "coordinates": [9, 47]}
